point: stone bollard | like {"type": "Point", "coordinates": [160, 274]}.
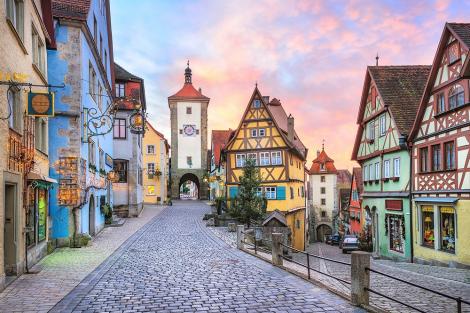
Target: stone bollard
{"type": "Point", "coordinates": [360, 277]}
{"type": "Point", "coordinates": [240, 236]}
{"type": "Point", "coordinates": [232, 228]}
{"type": "Point", "coordinates": [277, 249]}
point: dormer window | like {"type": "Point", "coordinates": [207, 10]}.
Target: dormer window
{"type": "Point", "coordinates": [454, 54]}
{"type": "Point", "coordinates": [322, 166]}
{"type": "Point", "coordinates": [256, 103]}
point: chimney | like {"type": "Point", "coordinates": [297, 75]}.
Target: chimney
{"type": "Point", "coordinates": [318, 153]}
{"type": "Point", "coordinates": [266, 99]}
{"type": "Point", "coordinates": [290, 128]}
{"type": "Point", "coordinates": [200, 90]}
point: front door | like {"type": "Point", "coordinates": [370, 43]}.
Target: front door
{"type": "Point", "coordinates": [91, 216]}
{"type": "Point", "coordinates": [10, 239]}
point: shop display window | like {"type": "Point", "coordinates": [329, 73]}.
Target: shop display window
{"type": "Point", "coordinates": [447, 229]}
{"type": "Point", "coordinates": [428, 226]}
{"type": "Point", "coordinates": [395, 223]}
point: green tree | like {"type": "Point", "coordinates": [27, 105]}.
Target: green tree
{"type": "Point", "coordinates": [249, 205]}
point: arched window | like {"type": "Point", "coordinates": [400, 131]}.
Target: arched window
{"type": "Point", "coordinates": [456, 97]}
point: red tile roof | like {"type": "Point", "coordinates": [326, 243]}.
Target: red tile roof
{"type": "Point", "coordinates": [73, 9]}
{"type": "Point", "coordinates": [219, 140]}
{"type": "Point", "coordinates": [188, 92]}
{"type": "Point", "coordinates": [326, 161]}
{"type": "Point", "coordinates": [343, 177]}
{"type": "Point", "coordinates": [357, 174]}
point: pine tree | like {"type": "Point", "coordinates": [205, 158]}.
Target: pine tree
{"type": "Point", "coordinates": [249, 205]}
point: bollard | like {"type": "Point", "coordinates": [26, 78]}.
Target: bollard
{"type": "Point", "coordinates": [360, 277]}
{"type": "Point", "coordinates": [240, 236]}
{"type": "Point", "coordinates": [277, 249]}
{"type": "Point", "coordinates": [231, 227]}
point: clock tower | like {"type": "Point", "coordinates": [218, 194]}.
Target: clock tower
{"type": "Point", "coordinates": [188, 111]}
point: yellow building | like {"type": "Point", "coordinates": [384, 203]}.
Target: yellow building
{"type": "Point", "coordinates": [156, 166]}
{"type": "Point", "coordinates": [266, 134]}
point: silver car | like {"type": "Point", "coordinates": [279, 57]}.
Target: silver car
{"type": "Point", "coordinates": [350, 243]}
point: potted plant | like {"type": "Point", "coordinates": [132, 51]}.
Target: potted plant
{"type": "Point", "coordinates": [107, 211]}
{"type": "Point", "coordinates": [92, 167]}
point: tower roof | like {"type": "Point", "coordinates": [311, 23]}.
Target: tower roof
{"type": "Point", "coordinates": [323, 164]}
{"type": "Point", "coordinates": [188, 91]}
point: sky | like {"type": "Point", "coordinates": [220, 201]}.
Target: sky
{"type": "Point", "coordinates": [312, 55]}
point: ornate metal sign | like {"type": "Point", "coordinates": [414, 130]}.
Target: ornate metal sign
{"type": "Point", "coordinates": [40, 104]}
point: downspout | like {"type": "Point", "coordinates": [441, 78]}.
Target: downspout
{"type": "Point", "coordinates": [410, 149]}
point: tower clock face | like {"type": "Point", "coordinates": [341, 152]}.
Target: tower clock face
{"type": "Point", "coordinates": [189, 130]}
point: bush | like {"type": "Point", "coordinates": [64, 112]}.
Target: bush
{"type": "Point", "coordinates": [365, 239]}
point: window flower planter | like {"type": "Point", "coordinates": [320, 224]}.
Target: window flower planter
{"type": "Point", "coordinates": [395, 178]}
{"type": "Point", "coordinates": [386, 179]}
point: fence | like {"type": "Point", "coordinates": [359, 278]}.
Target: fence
{"type": "Point", "coordinates": [359, 266]}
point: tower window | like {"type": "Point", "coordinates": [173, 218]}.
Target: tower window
{"type": "Point", "coordinates": [189, 160]}
{"type": "Point", "coordinates": [189, 110]}
{"type": "Point", "coordinates": [256, 103]}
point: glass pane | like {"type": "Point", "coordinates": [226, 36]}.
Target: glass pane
{"type": "Point", "coordinates": [42, 212]}
{"type": "Point", "coordinates": [448, 229]}
{"type": "Point", "coordinates": [428, 226]}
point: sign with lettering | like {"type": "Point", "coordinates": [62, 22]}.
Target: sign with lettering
{"type": "Point", "coordinates": [108, 160]}
{"type": "Point", "coordinates": [40, 104]}
{"type": "Point", "coordinates": [16, 77]}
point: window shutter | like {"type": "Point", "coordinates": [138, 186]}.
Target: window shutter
{"type": "Point", "coordinates": [233, 192]}
{"type": "Point", "coordinates": [281, 193]}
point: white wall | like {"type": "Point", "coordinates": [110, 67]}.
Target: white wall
{"type": "Point", "coordinates": [330, 192]}
{"type": "Point", "coordinates": [189, 146]}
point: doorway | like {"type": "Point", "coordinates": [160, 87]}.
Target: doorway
{"type": "Point", "coordinates": [323, 230]}
{"type": "Point", "coordinates": [189, 187]}
{"type": "Point", "coordinates": [91, 216]}
{"type": "Point", "coordinates": [10, 239]}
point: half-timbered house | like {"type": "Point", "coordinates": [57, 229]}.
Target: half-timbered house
{"type": "Point", "coordinates": [355, 222]}
{"type": "Point", "coordinates": [441, 158]}
{"type": "Point", "coordinates": [389, 103]}
{"type": "Point", "coordinates": [266, 134]}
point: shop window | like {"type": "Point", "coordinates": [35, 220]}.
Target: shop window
{"type": "Point", "coordinates": [151, 190]}
{"type": "Point", "coordinates": [447, 230]}
{"type": "Point", "coordinates": [396, 232]}
{"type": "Point", "coordinates": [449, 156]}
{"type": "Point", "coordinates": [427, 229]}
{"type": "Point", "coordinates": [36, 216]}
{"type": "Point", "coordinates": [120, 167]}
{"type": "Point", "coordinates": [15, 14]}
{"type": "Point", "coordinates": [456, 97]}
{"type": "Point", "coordinates": [423, 155]}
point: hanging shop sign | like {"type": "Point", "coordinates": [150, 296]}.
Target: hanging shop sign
{"type": "Point", "coordinates": [394, 205]}
{"type": "Point", "coordinates": [40, 104]}
{"type": "Point", "coordinates": [108, 160]}
{"type": "Point", "coordinates": [16, 77]}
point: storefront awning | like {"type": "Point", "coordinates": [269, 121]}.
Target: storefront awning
{"type": "Point", "coordinates": [437, 200]}
{"type": "Point", "coordinates": [36, 176]}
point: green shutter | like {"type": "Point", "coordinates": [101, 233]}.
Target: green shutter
{"type": "Point", "coordinates": [233, 192]}
{"type": "Point", "coordinates": [281, 193]}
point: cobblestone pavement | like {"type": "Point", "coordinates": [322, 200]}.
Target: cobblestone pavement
{"type": "Point", "coordinates": [62, 270]}
{"type": "Point", "coordinates": [177, 264]}
{"type": "Point", "coordinates": [431, 277]}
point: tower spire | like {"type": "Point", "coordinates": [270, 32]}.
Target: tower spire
{"type": "Point", "coordinates": [187, 75]}
{"type": "Point", "coordinates": [323, 145]}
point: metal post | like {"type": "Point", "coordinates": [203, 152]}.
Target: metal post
{"type": "Point", "coordinates": [360, 278]}
{"type": "Point", "coordinates": [254, 238]}
{"type": "Point", "coordinates": [459, 305]}
{"type": "Point", "coordinates": [277, 249]}
{"type": "Point", "coordinates": [308, 266]}
{"type": "Point", "coordinates": [240, 237]}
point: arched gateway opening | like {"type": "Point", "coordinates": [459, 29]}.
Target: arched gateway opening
{"type": "Point", "coordinates": [189, 187]}
{"type": "Point", "coordinates": [322, 231]}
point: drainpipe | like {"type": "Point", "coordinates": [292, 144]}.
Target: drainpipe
{"type": "Point", "coordinates": [410, 149]}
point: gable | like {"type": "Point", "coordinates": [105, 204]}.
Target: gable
{"type": "Point", "coordinates": [452, 58]}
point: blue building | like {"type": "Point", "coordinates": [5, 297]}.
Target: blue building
{"type": "Point", "coordinates": [80, 148]}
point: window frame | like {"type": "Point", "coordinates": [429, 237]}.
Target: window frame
{"type": "Point", "coordinates": [424, 156]}
{"type": "Point", "coordinates": [440, 103]}
{"type": "Point", "coordinates": [249, 156]}
{"type": "Point", "coordinates": [262, 156]}
{"type": "Point", "coordinates": [383, 125]}
{"type": "Point", "coordinates": [123, 172]}
{"type": "Point", "coordinates": [445, 159]}
{"type": "Point", "coordinates": [457, 95]}
{"type": "Point", "coordinates": [153, 149]}
{"type": "Point", "coordinates": [15, 16]}
{"type": "Point", "coordinates": [254, 132]}
{"type": "Point", "coordinates": [395, 172]}
{"type": "Point", "coordinates": [436, 166]}
{"type": "Point", "coordinates": [256, 103]}
{"type": "Point", "coordinates": [119, 128]}
{"type": "Point", "coordinates": [377, 171]}
{"type": "Point", "coordinates": [270, 192]}
{"type": "Point", "coordinates": [120, 87]}
{"type": "Point", "coordinates": [261, 130]}
{"type": "Point", "coordinates": [386, 165]}
{"type": "Point", "coordinates": [277, 156]}
{"type": "Point", "coordinates": [240, 160]}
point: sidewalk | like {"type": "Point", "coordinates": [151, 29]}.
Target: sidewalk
{"type": "Point", "coordinates": [62, 270]}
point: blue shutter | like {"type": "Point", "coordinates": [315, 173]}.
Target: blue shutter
{"type": "Point", "coordinates": [281, 193]}
{"type": "Point", "coordinates": [233, 192]}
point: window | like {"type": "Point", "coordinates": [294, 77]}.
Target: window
{"type": "Point", "coordinates": [270, 192]}
{"type": "Point", "coordinates": [387, 169]}
{"type": "Point", "coordinates": [291, 192]}
{"type": "Point", "coordinates": [95, 29]}
{"type": "Point", "coordinates": [101, 159]}
{"type": "Point", "coordinates": [264, 158]}
{"type": "Point", "coordinates": [139, 177]}
{"type": "Point", "coordinates": [261, 132]}
{"type": "Point", "coordinates": [297, 224]}
{"type": "Point", "coordinates": [151, 190]}
{"type": "Point", "coordinates": [423, 159]}
{"type": "Point", "coordinates": [377, 170]}
{"type": "Point", "coordinates": [322, 190]}
{"type": "Point", "coordinates": [40, 130]}
{"type": "Point", "coordinates": [91, 152]}
{"type": "Point", "coordinates": [322, 178]}
{"type": "Point", "coordinates": [355, 195]}
{"type": "Point", "coordinates": [323, 213]}
{"type": "Point", "coordinates": [253, 156]}
{"type": "Point", "coordinates": [396, 167]}
{"type": "Point", "coordinates": [100, 97]}
{"type": "Point", "coordinates": [105, 61]}
{"type": "Point", "coordinates": [240, 160]}
{"type": "Point", "coordinates": [366, 173]}
{"type": "Point", "coordinates": [456, 97]}
{"type": "Point", "coordinates": [151, 168]}
{"type": "Point", "coordinates": [120, 127]}
{"type": "Point", "coordinates": [36, 216]}
{"type": "Point", "coordinates": [92, 82]}
{"type": "Point", "coordinates": [449, 156]}
{"type": "Point", "coordinates": [371, 172]}
{"type": "Point", "coordinates": [303, 191]}
{"type": "Point", "coordinates": [100, 51]}
{"type": "Point", "coordinates": [441, 104]}
{"type": "Point", "coordinates": [371, 131]}
{"type": "Point", "coordinates": [447, 231]}
{"type": "Point", "coordinates": [15, 109]}
{"type": "Point", "coordinates": [322, 167]}
{"type": "Point", "coordinates": [276, 158]}
{"type": "Point", "coordinates": [427, 229]}
{"type": "Point", "coordinates": [15, 14]}
{"type": "Point", "coordinates": [120, 167]}
{"type": "Point", "coordinates": [150, 149]}
{"type": "Point", "coordinates": [189, 110]}
{"type": "Point", "coordinates": [454, 54]}
{"type": "Point", "coordinates": [189, 160]}
{"type": "Point", "coordinates": [38, 51]}
{"type": "Point", "coordinates": [383, 125]}
{"type": "Point", "coordinates": [395, 227]}
{"type": "Point", "coordinates": [323, 201]}
{"type": "Point", "coordinates": [120, 90]}
{"type": "Point", "coordinates": [259, 191]}
{"type": "Point", "coordinates": [256, 103]}
{"type": "Point", "coordinates": [436, 157]}
{"type": "Point", "coordinates": [254, 133]}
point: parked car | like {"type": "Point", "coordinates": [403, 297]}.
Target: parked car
{"type": "Point", "coordinates": [350, 243]}
{"type": "Point", "coordinates": [334, 239]}
{"type": "Point", "coordinates": [328, 239]}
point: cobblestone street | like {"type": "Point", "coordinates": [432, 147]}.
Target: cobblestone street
{"type": "Point", "coordinates": [177, 264]}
